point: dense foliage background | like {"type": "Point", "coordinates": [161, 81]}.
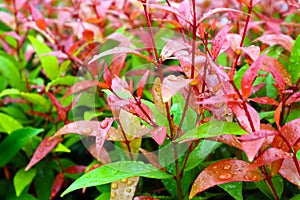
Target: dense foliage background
{"type": "Point", "coordinates": [170, 99]}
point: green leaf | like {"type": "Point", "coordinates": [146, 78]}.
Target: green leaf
{"type": "Point", "coordinates": [103, 196]}
{"type": "Point", "coordinates": [116, 171]}
{"type": "Point", "coordinates": [61, 148]}
{"type": "Point", "coordinates": [10, 71]}
{"type": "Point", "coordinates": [10, 91]}
{"type": "Point", "coordinates": [22, 179]}
{"type": "Point", "coordinates": [12, 144]}
{"type": "Point", "coordinates": [36, 99]}
{"type": "Point", "coordinates": [296, 197]}
{"type": "Point", "coordinates": [294, 68]}
{"type": "Point", "coordinates": [9, 124]}
{"type": "Point", "coordinates": [67, 80]}
{"type": "Point", "coordinates": [44, 180]}
{"type": "Point", "coordinates": [49, 63]}
{"type": "Point", "coordinates": [234, 189]}
{"type": "Point", "coordinates": [278, 184]}
{"type": "Point", "coordinates": [298, 154]}
{"type": "Point", "coordinates": [212, 129]}
{"type": "Point", "coordinates": [200, 153]}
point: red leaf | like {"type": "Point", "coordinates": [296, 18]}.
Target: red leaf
{"type": "Point", "coordinates": [269, 156]}
{"type": "Point", "coordinates": [88, 35]}
{"type": "Point", "coordinates": [219, 40]}
{"type": "Point", "coordinates": [81, 86]}
{"type": "Point", "coordinates": [281, 39]}
{"type": "Point", "coordinates": [224, 171]}
{"type": "Point", "coordinates": [42, 150]}
{"type": "Point", "coordinates": [103, 156]}
{"type": "Point", "coordinates": [258, 135]}
{"type": "Point", "coordinates": [107, 76]}
{"type": "Point", "coordinates": [265, 100]}
{"type": "Point", "coordinates": [159, 134]}
{"type": "Point", "coordinates": [90, 128]}
{"type": "Point", "coordinates": [75, 169]}
{"type": "Point", "coordinates": [61, 111]}
{"type": "Point", "coordinates": [145, 198]}
{"type": "Point", "coordinates": [41, 24]}
{"type": "Point", "coordinates": [38, 18]}
{"type": "Point", "coordinates": [57, 184]}
{"type": "Point", "coordinates": [252, 51]}
{"type": "Point", "coordinates": [239, 112]}
{"type": "Point", "coordinates": [278, 71]}
{"type": "Point", "coordinates": [229, 140]}
{"type": "Point", "coordinates": [289, 171]}
{"type": "Point", "coordinates": [251, 148]}
{"type": "Point", "coordinates": [250, 75]}
{"type": "Point", "coordinates": [19, 4]}
{"type": "Point", "coordinates": [277, 114]}
{"type": "Point", "coordinates": [171, 85]}
{"type": "Point", "coordinates": [291, 131]}
{"type": "Point", "coordinates": [217, 10]}
{"type": "Point", "coordinates": [294, 98]}
{"type": "Point", "coordinates": [141, 84]}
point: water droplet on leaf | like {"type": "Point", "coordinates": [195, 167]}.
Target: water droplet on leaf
{"type": "Point", "coordinates": [225, 176]}
{"type": "Point", "coordinates": [87, 131]}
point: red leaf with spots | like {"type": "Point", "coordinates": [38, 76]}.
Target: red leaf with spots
{"type": "Point", "coordinates": [82, 86]}
{"type": "Point", "coordinates": [250, 75]}
{"type": "Point", "coordinates": [291, 131]}
{"type": "Point", "coordinates": [277, 114]}
{"type": "Point", "coordinates": [294, 98]}
{"type": "Point", "coordinates": [75, 169]}
{"type": "Point", "coordinates": [224, 171]}
{"type": "Point", "coordinates": [61, 111]}
{"type": "Point", "coordinates": [57, 184]}
{"type": "Point", "coordinates": [42, 150]}
{"type": "Point", "coordinates": [219, 40]}
{"type": "Point", "coordinates": [141, 84]}
{"type": "Point", "coordinates": [251, 148]}
{"type": "Point", "coordinates": [269, 156]}
{"type": "Point", "coordinates": [289, 171]}
{"type": "Point", "coordinates": [265, 100]}
{"type": "Point", "coordinates": [159, 134]}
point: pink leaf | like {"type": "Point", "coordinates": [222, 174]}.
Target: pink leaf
{"type": "Point", "coordinates": [219, 40]}
{"type": "Point", "coordinates": [258, 135]}
{"type": "Point", "coordinates": [252, 147]}
{"type": "Point", "coordinates": [250, 75]}
{"type": "Point", "coordinates": [103, 156]}
{"type": "Point", "coordinates": [81, 86]}
{"type": "Point", "coordinates": [281, 39]}
{"type": "Point", "coordinates": [141, 84]}
{"type": "Point", "coordinates": [19, 4]}
{"type": "Point", "coordinates": [252, 51]}
{"type": "Point", "coordinates": [159, 134]}
{"type": "Point", "coordinates": [269, 156]}
{"type": "Point", "coordinates": [291, 131]}
{"type": "Point", "coordinates": [294, 98]}
{"type": "Point", "coordinates": [224, 171]}
{"type": "Point", "coordinates": [61, 111]}
{"type": "Point", "coordinates": [171, 85]}
{"type": "Point", "coordinates": [75, 169]}
{"type": "Point", "coordinates": [217, 10]}
{"type": "Point", "coordinates": [289, 171]}
{"type": "Point", "coordinates": [57, 184]}
{"type": "Point", "coordinates": [107, 75]}
{"type": "Point", "coordinates": [265, 100]}
{"type": "Point", "coordinates": [42, 150]}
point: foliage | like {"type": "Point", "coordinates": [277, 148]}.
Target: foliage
{"type": "Point", "coordinates": [149, 99]}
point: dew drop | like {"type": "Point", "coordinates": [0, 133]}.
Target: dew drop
{"type": "Point", "coordinates": [48, 143]}
{"type": "Point", "coordinates": [128, 190]}
{"type": "Point", "coordinates": [227, 167]}
{"type": "Point", "coordinates": [124, 180]}
{"type": "Point", "coordinates": [113, 194]}
{"type": "Point", "coordinates": [104, 124]}
{"type": "Point", "coordinates": [157, 89]}
{"type": "Point", "coordinates": [235, 166]}
{"type": "Point", "coordinates": [215, 167]}
{"type": "Point", "coordinates": [114, 186]}
{"type": "Point", "coordinates": [246, 177]}
{"type": "Point", "coordinates": [130, 183]}
{"type": "Point", "coordinates": [225, 176]}
{"type": "Point", "coordinates": [38, 156]}
{"type": "Point", "coordinates": [86, 131]}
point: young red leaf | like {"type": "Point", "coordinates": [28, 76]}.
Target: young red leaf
{"type": "Point", "coordinates": [141, 84]}
{"type": "Point", "coordinates": [293, 98]}
{"type": "Point", "coordinates": [250, 75]}
{"type": "Point", "coordinates": [258, 135]}
{"type": "Point", "coordinates": [42, 150]}
{"type": "Point", "coordinates": [57, 184]}
{"type": "Point", "coordinates": [281, 39]}
{"type": "Point", "coordinates": [145, 198]}
{"type": "Point", "coordinates": [19, 4]}
{"type": "Point", "coordinates": [107, 76]}
{"type": "Point", "coordinates": [159, 134]}
{"type": "Point", "coordinates": [277, 114]}
{"type": "Point", "coordinates": [219, 40]}
{"type": "Point", "coordinates": [269, 156]}
{"type": "Point", "coordinates": [171, 85]}
{"type": "Point", "coordinates": [239, 112]}
{"type": "Point", "coordinates": [265, 100]}
{"type": "Point", "coordinates": [291, 131]}
{"type": "Point", "coordinates": [229, 140]}
{"type": "Point", "coordinates": [38, 18]}
{"type": "Point", "coordinates": [289, 171]}
{"type": "Point", "coordinates": [251, 148]}
{"type": "Point", "coordinates": [75, 169]}
{"type": "Point", "coordinates": [224, 171]}
{"type": "Point", "coordinates": [81, 86]}
{"type": "Point", "coordinates": [172, 47]}
{"type": "Point", "coordinates": [217, 10]}
{"type": "Point", "coordinates": [252, 51]}
{"type": "Point", "coordinates": [61, 111]}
